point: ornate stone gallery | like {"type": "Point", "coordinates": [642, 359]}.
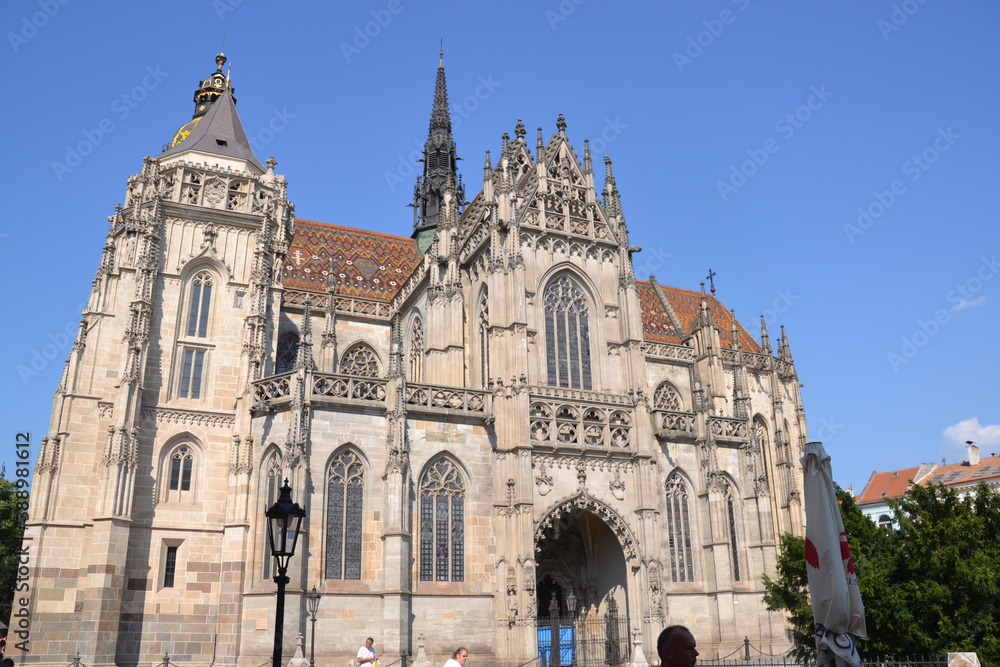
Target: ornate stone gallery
{"type": "Point", "coordinates": [501, 436]}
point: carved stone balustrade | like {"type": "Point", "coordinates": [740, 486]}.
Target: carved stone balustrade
{"type": "Point", "coordinates": [350, 389]}
{"type": "Point", "coordinates": [272, 390]}
{"type": "Point", "coordinates": [727, 429]}
{"type": "Point", "coordinates": [581, 425]}
{"type": "Point", "coordinates": [672, 425]}
{"type": "Point", "coordinates": [451, 401]}
{"type": "Point", "coordinates": [674, 352]}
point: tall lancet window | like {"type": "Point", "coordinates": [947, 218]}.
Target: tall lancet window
{"type": "Point", "coordinates": [442, 523]}
{"type": "Point", "coordinates": [679, 530]}
{"type": "Point", "coordinates": [345, 493]}
{"type": "Point", "coordinates": [288, 350]}
{"type": "Point", "coordinates": [760, 434]}
{"type": "Point", "coordinates": [484, 338]}
{"type": "Point", "coordinates": [270, 487]}
{"type": "Point", "coordinates": [734, 551]}
{"type": "Point", "coordinates": [417, 351]}
{"type": "Point", "coordinates": [201, 305]}
{"type": "Point", "coordinates": [567, 335]}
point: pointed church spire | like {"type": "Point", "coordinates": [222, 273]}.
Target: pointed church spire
{"type": "Point", "coordinates": [765, 341]}
{"type": "Point", "coordinates": [784, 351]}
{"type": "Point", "coordinates": [440, 165]}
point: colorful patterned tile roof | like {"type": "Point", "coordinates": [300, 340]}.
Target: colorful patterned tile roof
{"type": "Point", "coordinates": [369, 265]}
{"type": "Point", "coordinates": [657, 327]}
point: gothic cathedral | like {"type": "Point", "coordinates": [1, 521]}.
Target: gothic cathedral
{"type": "Point", "coordinates": [501, 436]}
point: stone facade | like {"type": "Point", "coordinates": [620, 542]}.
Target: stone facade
{"type": "Point", "coordinates": [482, 421]}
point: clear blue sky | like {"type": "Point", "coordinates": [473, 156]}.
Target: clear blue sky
{"type": "Point", "coordinates": [745, 136]}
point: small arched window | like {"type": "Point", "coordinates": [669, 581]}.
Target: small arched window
{"type": "Point", "coordinates": [567, 335]}
{"type": "Point", "coordinates": [178, 471]}
{"type": "Point", "coordinates": [442, 523]}
{"type": "Point", "coordinates": [200, 305]}
{"type": "Point", "coordinates": [885, 521]}
{"type": "Point", "coordinates": [679, 529]}
{"type": "Point", "coordinates": [417, 351]}
{"type": "Point", "coordinates": [288, 350]}
{"type": "Point", "coordinates": [360, 360]}
{"type": "Point", "coordinates": [666, 397]}
{"type": "Point", "coordinates": [344, 500]}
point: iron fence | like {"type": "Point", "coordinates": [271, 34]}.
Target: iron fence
{"type": "Point", "coordinates": [589, 641]}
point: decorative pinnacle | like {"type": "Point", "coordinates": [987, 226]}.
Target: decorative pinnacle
{"type": "Point", "coordinates": [561, 124]}
{"type": "Point", "coordinates": [541, 144]}
{"type": "Point", "coordinates": [220, 60]}
{"type": "Point", "coordinates": [506, 140]}
{"type": "Point", "coordinates": [271, 163]}
{"type": "Point", "coordinates": [489, 165]}
{"type": "Point", "coordinates": [519, 131]}
{"type": "Point", "coordinates": [588, 165]}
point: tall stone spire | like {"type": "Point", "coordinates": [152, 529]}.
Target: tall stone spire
{"type": "Point", "coordinates": [440, 168]}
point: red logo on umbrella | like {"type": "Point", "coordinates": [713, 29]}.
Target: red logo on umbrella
{"type": "Point", "coordinates": [812, 557]}
{"type": "Point", "coordinates": [845, 554]}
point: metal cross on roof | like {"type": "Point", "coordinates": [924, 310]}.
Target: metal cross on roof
{"type": "Point", "coordinates": [711, 279]}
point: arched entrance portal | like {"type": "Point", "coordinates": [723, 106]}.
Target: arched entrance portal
{"type": "Point", "coordinates": [582, 586]}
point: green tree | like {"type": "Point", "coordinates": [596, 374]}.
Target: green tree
{"type": "Point", "coordinates": [932, 586]}
{"type": "Point", "coordinates": [11, 530]}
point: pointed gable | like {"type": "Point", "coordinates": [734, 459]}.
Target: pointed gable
{"type": "Point", "coordinates": [368, 265]}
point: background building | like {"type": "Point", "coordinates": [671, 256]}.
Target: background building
{"type": "Point", "coordinates": [964, 477]}
{"type": "Point", "coordinates": [483, 420]}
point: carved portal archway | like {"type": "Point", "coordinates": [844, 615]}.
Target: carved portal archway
{"type": "Point", "coordinates": [583, 546]}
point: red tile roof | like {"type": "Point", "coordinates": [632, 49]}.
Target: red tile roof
{"type": "Point", "coordinates": [892, 484]}
{"type": "Point", "coordinates": [369, 265]}
{"type": "Point", "coordinates": [656, 322]}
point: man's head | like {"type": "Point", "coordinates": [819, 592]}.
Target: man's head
{"type": "Point", "coordinates": [369, 642]}
{"type": "Point", "coordinates": [676, 647]}
{"type": "Point", "coordinates": [461, 655]}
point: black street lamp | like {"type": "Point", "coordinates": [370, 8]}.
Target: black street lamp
{"type": "Point", "coordinates": [283, 521]}
{"type": "Point", "coordinates": [312, 601]}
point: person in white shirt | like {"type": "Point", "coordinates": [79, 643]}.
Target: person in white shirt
{"type": "Point", "coordinates": [458, 658]}
{"type": "Point", "coordinates": [366, 656]}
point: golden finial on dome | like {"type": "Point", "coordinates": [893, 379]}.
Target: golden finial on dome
{"type": "Point", "coordinates": [220, 60]}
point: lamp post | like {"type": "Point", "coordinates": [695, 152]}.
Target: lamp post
{"type": "Point", "coordinates": [283, 521]}
{"type": "Point", "coordinates": [571, 608]}
{"type": "Point", "coordinates": [312, 601]}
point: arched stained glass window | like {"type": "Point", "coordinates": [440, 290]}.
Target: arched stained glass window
{"type": "Point", "coordinates": [360, 360]}
{"type": "Point", "coordinates": [344, 504]}
{"type": "Point", "coordinates": [567, 335]}
{"type": "Point", "coordinates": [679, 530]}
{"type": "Point", "coordinates": [442, 523]}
